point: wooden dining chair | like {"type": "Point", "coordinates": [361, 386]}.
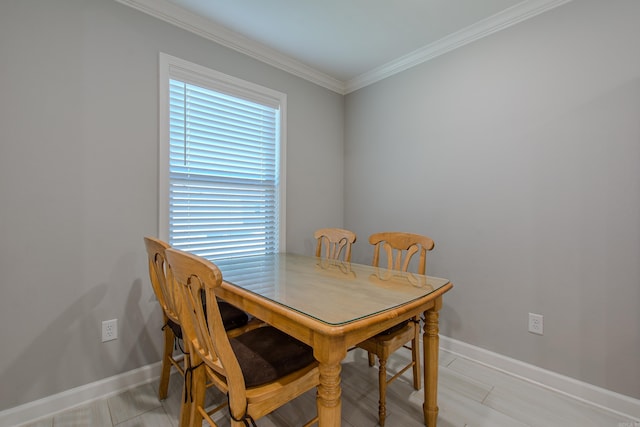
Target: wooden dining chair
{"type": "Point", "coordinates": [398, 248]}
{"type": "Point", "coordinates": [259, 370]}
{"type": "Point", "coordinates": [336, 243]}
{"type": "Point", "coordinates": [235, 320]}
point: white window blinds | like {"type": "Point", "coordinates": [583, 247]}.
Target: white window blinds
{"type": "Point", "coordinates": [223, 173]}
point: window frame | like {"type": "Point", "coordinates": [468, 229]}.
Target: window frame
{"type": "Point", "coordinates": [171, 67]}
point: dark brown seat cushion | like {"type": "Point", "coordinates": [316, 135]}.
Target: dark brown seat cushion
{"type": "Point", "coordinates": [266, 354]}
{"type": "Point", "coordinates": [177, 330]}
{"type": "Point", "coordinates": [395, 328]}
{"type": "Point", "coordinates": [232, 317]}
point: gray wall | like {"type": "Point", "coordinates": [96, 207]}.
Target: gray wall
{"type": "Point", "coordinates": [78, 183]}
{"type": "Point", "coordinates": [519, 154]}
{"type": "Point", "coordinates": [523, 166]}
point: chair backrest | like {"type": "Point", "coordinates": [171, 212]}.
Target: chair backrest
{"type": "Point", "coordinates": [163, 289]}
{"type": "Point", "coordinates": [400, 248]}
{"type": "Point", "coordinates": [196, 278]}
{"type": "Point", "coordinates": [334, 240]}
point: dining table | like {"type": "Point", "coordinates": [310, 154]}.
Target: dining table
{"type": "Point", "coordinates": [331, 306]}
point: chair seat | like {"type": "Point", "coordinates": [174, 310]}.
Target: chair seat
{"type": "Point", "coordinates": [232, 317]}
{"type": "Point", "coordinates": [395, 328]}
{"type": "Point", "coordinates": [386, 343]}
{"type": "Point", "coordinates": [266, 354]}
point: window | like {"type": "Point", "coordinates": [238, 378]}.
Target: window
{"type": "Point", "coordinates": [221, 168]}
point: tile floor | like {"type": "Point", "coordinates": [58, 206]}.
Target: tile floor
{"type": "Point", "coordinates": [469, 394]}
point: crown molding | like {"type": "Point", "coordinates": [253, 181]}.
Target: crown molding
{"type": "Point", "coordinates": [508, 17]}
{"type": "Point", "coordinates": [191, 22]}
{"type": "Point", "coordinates": [186, 20]}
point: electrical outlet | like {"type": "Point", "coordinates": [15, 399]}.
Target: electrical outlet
{"type": "Point", "coordinates": [109, 330]}
{"type": "Point", "coordinates": [536, 325]}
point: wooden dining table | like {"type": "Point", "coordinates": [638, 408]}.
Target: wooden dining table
{"type": "Point", "coordinates": [331, 306]}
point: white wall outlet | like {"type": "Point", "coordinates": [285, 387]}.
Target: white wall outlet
{"type": "Point", "coordinates": [536, 324]}
{"type": "Point", "coordinates": [109, 330]}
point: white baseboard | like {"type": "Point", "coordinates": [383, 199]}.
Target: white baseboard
{"type": "Point", "coordinates": [48, 406]}
{"type": "Point", "coordinates": [612, 401]}
{"type": "Point", "coordinates": [69, 399]}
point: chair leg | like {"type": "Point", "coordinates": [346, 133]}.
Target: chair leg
{"type": "Point", "coordinates": [382, 379]}
{"type": "Point", "coordinates": [196, 399]}
{"type": "Point", "coordinates": [372, 359]}
{"type": "Point", "coordinates": [185, 408]}
{"type": "Point", "coordinates": [163, 388]}
{"type": "Point", "coordinates": [415, 354]}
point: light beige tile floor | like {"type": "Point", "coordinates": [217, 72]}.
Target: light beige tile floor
{"type": "Point", "coordinates": [469, 395]}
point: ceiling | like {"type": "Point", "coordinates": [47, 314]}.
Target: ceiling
{"type": "Point", "coordinates": [344, 44]}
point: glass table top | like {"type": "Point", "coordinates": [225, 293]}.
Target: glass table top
{"type": "Point", "coordinates": [330, 291]}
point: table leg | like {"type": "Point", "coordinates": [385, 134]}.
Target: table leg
{"type": "Point", "coordinates": [329, 401]}
{"type": "Point", "coordinates": [430, 341]}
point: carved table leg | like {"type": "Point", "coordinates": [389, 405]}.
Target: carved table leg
{"type": "Point", "coordinates": [382, 379]}
{"type": "Point", "coordinates": [329, 395]}
{"type": "Point", "coordinates": [431, 346]}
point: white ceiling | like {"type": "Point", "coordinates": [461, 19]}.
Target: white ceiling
{"type": "Point", "coordinates": [344, 44]}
